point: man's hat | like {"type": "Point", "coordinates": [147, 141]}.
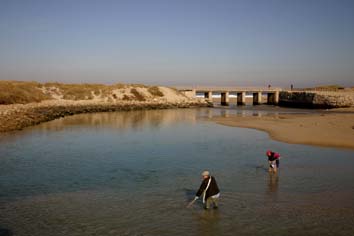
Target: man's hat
{"type": "Point", "coordinates": [206, 173]}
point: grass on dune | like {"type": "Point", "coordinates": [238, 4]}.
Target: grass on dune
{"type": "Point", "coordinates": [79, 91]}
{"type": "Point", "coordinates": [154, 90]}
{"type": "Point", "coordinates": [19, 92]}
{"type": "Point", "coordinates": [12, 92]}
{"type": "Point", "coordinates": [87, 91]}
{"type": "Point", "coordinates": [137, 95]}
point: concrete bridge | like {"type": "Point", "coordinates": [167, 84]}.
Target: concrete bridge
{"type": "Point", "coordinates": [272, 94]}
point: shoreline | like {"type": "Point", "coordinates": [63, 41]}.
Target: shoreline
{"type": "Point", "coordinates": [324, 129]}
{"type": "Point", "coordinates": [19, 116]}
{"type": "Point", "coordinates": [332, 128]}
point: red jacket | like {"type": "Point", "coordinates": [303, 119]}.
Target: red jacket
{"type": "Point", "coordinates": [273, 156]}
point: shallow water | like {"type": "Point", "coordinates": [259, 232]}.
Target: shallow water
{"type": "Point", "coordinates": [133, 173]}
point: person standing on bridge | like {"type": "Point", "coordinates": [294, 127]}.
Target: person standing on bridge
{"type": "Point", "coordinates": [273, 160]}
{"type": "Point", "coordinates": [209, 190]}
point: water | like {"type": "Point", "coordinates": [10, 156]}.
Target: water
{"type": "Point", "coordinates": [133, 173]}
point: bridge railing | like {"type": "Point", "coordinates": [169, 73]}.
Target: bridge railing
{"type": "Point", "coordinates": [228, 89]}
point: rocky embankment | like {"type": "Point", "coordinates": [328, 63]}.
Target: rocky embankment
{"type": "Point", "coordinates": [19, 116]}
{"type": "Point", "coordinates": [316, 99]}
{"type": "Point", "coordinates": [45, 102]}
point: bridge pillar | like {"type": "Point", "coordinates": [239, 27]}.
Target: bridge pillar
{"type": "Point", "coordinates": [273, 98]}
{"type": "Point", "coordinates": [208, 96]}
{"type": "Point", "coordinates": [276, 99]}
{"type": "Point", "coordinates": [224, 98]}
{"type": "Point", "coordinates": [241, 98]}
{"type": "Point", "coordinates": [257, 98]}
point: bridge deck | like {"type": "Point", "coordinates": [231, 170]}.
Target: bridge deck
{"type": "Point", "coordinates": [228, 89]}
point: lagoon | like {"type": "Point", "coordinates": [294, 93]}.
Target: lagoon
{"type": "Point", "coordinates": [133, 173]}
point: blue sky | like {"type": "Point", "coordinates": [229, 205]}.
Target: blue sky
{"type": "Point", "coordinates": [179, 42]}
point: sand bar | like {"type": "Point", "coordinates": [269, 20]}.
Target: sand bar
{"type": "Point", "coordinates": [331, 129]}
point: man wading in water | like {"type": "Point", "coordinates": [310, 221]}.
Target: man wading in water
{"type": "Point", "coordinates": [273, 159]}
{"type": "Point", "coordinates": [210, 191]}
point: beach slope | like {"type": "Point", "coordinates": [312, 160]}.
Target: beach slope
{"type": "Point", "coordinates": [332, 130]}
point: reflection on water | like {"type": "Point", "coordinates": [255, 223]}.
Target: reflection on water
{"type": "Point", "coordinates": [208, 222]}
{"type": "Point", "coordinates": [133, 173]}
{"type": "Point", "coordinates": [273, 184]}
{"type": "Point", "coordinates": [123, 120]}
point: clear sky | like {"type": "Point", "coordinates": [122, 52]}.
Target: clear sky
{"type": "Point", "coordinates": [179, 42]}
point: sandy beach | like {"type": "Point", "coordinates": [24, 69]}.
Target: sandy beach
{"type": "Point", "coordinates": [325, 129]}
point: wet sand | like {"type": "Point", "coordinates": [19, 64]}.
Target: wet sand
{"type": "Point", "coordinates": [325, 129]}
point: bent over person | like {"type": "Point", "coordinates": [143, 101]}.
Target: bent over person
{"type": "Point", "coordinates": [273, 159]}
{"type": "Point", "coordinates": [209, 190]}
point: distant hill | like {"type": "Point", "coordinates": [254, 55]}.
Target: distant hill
{"type": "Point", "coordinates": [19, 92]}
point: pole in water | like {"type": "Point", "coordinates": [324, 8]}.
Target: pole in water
{"type": "Point", "coordinates": [191, 203]}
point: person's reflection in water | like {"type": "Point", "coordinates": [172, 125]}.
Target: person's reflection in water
{"type": "Point", "coordinates": [225, 113]}
{"type": "Point", "coordinates": [273, 183]}
{"type": "Point", "coordinates": [208, 223]}
{"type": "Point", "coordinates": [209, 113]}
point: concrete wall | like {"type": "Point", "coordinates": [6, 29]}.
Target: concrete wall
{"type": "Point", "coordinates": [316, 99]}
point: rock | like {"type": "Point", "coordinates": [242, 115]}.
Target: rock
{"type": "Point", "coordinates": [316, 99]}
